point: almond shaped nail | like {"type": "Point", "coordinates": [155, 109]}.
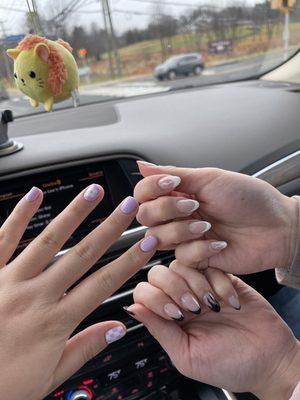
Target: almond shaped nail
{"type": "Point", "coordinates": [169, 182]}
{"type": "Point", "coordinates": [173, 312]}
{"type": "Point", "coordinates": [211, 302]}
{"type": "Point", "coordinates": [187, 206]}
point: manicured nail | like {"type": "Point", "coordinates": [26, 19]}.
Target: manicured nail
{"type": "Point", "coordinates": [173, 311]}
{"type": "Point", "coordinates": [92, 192]}
{"type": "Point", "coordinates": [131, 313]}
{"type": "Point", "coordinates": [129, 205]}
{"type": "Point", "coordinates": [169, 182]}
{"type": "Point", "coordinates": [218, 245]}
{"type": "Point", "coordinates": [33, 194]}
{"type": "Point", "coordinates": [199, 227]}
{"type": "Point", "coordinates": [114, 334]}
{"type": "Point", "coordinates": [234, 302]}
{"type": "Point", "coordinates": [191, 303]}
{"type": "Point", "coordinates": [211, 302]}
{"type": "Point", "coordinates": [148, 244]}
{"type": "Point", "coordinates": [147, 163]}
{"type": "Point", "coordinates": [187, 206]}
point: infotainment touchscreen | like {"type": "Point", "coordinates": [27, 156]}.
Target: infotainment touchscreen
{"type": "Point", "coordinates": [59, 189]}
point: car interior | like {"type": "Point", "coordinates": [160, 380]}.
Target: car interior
{"type": "Point", "coordinates": [245, 125]}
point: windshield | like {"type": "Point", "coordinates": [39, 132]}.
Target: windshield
{"type": "Point", "coordinates": [118, 44]}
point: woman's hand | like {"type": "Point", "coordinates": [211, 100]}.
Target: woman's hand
{"type": "Point", "coordinates": [37, 318]}
{"type": "Point", "coordinates": [258, 223]}
{"type": "Point", "coordinates": [248, 350]}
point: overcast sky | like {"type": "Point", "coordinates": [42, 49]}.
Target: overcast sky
{"type": "Point", "coordinates": [126, 13]}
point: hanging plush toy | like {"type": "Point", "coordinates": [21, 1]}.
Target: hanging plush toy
{"type": "Point", "coordinates": [45, 70]}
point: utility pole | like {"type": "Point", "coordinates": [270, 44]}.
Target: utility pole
{"type": "Point", "coordinates": [113, 36]}
{"type": "Point", "coordinates": [111, 66]}
{"type": "Point", "coordinates": [286, 34]}
{"type": "Point", "coordinates": [6, 63]}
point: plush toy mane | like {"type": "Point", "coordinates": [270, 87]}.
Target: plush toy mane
{"type": "Point", "coordinates": [58, 73]}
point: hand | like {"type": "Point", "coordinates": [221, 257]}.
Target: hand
{"type": "Point", "coordinates": [251, 350]}
{"type": "Point", "coordinates": [37, 319]}
{"type": "Point", "coordinates": [258, 223]}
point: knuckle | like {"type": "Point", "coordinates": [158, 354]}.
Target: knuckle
{"type": "Point", "coordinates": [139, 290]}
{"type": "Point", "coordinates": [105, 282]}
{"type": "Point", "coordinates": [134, 257]}
{"type": "Point", "coordinates": [85, 252]}
{"type": "Point", "coordinates": [49, 240]}
{"type": "Point", "coordinates": [154, 272]}
{"type": "Point", "coordinates": [88, 351]}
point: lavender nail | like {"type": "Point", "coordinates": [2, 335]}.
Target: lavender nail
{"type": "Point", "coordinates": [148, 244]}
{"type": "Point", "coordinates": [114, 334]}
{"type": "Point", "coordinates": [234, 302]}
{"type": "Point", "coordinates": [33, 194]}
{"type": "Point", "coordinates": [129, 205]}
{"type": "Point", "coordinates": [92, 192]}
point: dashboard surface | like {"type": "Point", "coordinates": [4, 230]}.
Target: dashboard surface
{"type": "Point", "coordinates": [238, 126]}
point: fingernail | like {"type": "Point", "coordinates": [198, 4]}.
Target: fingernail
{"type": "Point", "coordinates": [173, 311]}
{"type": "Point", "coordinates": [234, 302]}
{"type": "Point", "coordinates": [114, 334]}
{"type": "Point", "coordinates": [169, 182]}
{"type": "Point", "coordinates": [129, 205]}
{"type": "Point", "coordinates": [218, 245]}
{"type": "Point", "coordinates": [92, 192]}
{"type": "Point", "coordinates": [147, 163]}
{"type": "Point", "coordinates": [33, 194]}
{"type": "Point", "coordinates": [199, 227]}
{"type": "Point", "coordinates": [191, 303]}
{"type": "Point", "coordinates": [148, 244]}
{"type": "Point", "coordinates": [131, 313]}
{"type": "Point", "coordinates": [187, 206]}
{"type": "Point", "coordinates": [211, 302]}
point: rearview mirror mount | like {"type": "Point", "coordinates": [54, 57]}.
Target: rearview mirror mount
{"type": "Point", "coordinates": [7, 146]}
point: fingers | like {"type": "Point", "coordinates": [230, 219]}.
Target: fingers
{"type": "Point", "coordinates": [41, 251]}
{"type": "Point", "coordinates": [157, 301]}
{"type": "Point", "coordinates": [188, 289]}
{"type": "Point", "coordinates": [155, 186]}
{"type": "Point", "coordinates": [170, 235]}
{"type": "Point", "coordinates": [68, 269]}
{"type": "Point", "coordinates": [192, 253]}
{"type": "Point", "coordinates": [192, 180]}
{"type": "Point", "coordinates": [175, 287]}
{"type": "Point", "coordinates": [84, 346]}
{"type": "Point", "coordinates": [165, 209]}
{"type": "Point", "coordinates": [223, 287]}
{"type": "Point", "coordinates": [212, 287]}
{"type": "Point", "coordinates": [15, 225]}
{"type": "Point", "coordinates": [92, 291]}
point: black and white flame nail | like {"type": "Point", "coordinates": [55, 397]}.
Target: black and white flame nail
{"type": "Point", "coordinates": [211, 302]}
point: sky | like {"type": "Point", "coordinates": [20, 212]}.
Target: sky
{"type": "Point", "coordinates": [126, 14]}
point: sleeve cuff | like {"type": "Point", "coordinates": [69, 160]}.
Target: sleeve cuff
{"type": "Point", "coordinates": [291, 276]}
{"type": "Point", "coordinates": [296, 393]}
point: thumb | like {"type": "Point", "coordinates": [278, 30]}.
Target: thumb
{"type": "Point", "coordinates": [169, 334]}
{"type": "Point", "coordinates": [192, 179]}
{"type": "Point", "coordinates": [84, 346]}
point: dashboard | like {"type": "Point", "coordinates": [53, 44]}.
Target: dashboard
{"type": "Point", "coordinates": [251, 127]}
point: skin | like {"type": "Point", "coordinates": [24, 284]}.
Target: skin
{"type": "Point", "coordinates": [37, 318]}
{"type": "Point", "coordinates": [258, 223]}
{"type": "Point", "coordinates": [252, 350]}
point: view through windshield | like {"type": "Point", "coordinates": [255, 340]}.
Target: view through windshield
{"type": "Point", "coordinates": [127, 48]}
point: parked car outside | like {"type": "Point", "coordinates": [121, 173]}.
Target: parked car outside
{"type": "Point", "coordinates": [180, 65]}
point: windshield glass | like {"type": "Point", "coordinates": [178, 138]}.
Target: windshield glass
{"type": "Point", "coordinates": [118, 44]}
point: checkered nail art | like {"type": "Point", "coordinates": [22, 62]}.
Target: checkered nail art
{"type": "Point", "coordinates": [114, 334]}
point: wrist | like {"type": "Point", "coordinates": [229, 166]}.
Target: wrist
{"type": "Point", "coordinates": [290, 231]}
{"type": "Point", "coordinates": [282, 383]}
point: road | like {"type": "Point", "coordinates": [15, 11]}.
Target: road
{"type": "Point", "coordinates": [148, 85]}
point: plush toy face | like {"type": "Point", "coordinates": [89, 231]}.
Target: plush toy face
{"type": "Point", "coordinates": [31, 71]}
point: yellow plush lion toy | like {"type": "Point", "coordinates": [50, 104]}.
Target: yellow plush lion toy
{"type": "Point", "coordinates": [44, 70]}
